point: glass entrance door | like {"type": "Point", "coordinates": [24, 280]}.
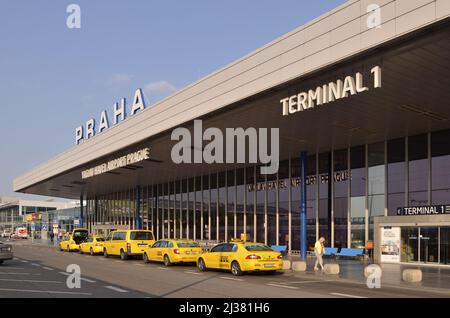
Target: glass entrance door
{"type": "Point", "coordinates": [410, 245]}
{"type": "Point", "coordinates": [420, 245]}
{"type": "Point", "coordinates": [445, 245]}
{"type": "Point", "coordinates": [429, 244]}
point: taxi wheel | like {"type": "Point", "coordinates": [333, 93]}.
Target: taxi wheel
{"type": "Point", "coordinates": [80, 251]}
{"type": "Point", "coordinates": [201, 265]}
{"type": "Point", "coordinates": [236, 269]}
{"type": "Point", "coordinates": [68, 248]}
{"type": "Point", "coordinates": [91, 251]}
{"type": "Point", "coordinates": [105, 253]}
{"type": "Point", "coordinates": [145, 258]}
{"type": "Point", "coordinates": [123, 256]}
{"type": "Point", "coordinates": [167, 261]}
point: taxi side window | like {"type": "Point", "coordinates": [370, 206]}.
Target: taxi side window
{"type": "Point", "coordinates": [117, 236]}
{"type": "Point", "coordinates": [217, 249]}
{"type": "Point", "coordinates": [156, 245]}
{"type": "Point", "coordinates": [170, 244]}
{"type": "Point", "coordinates": [163, 244]}
{"type": "Point", "coordinates": [90, 240]}
{"type": "Point", "coordinates": [228, 248]}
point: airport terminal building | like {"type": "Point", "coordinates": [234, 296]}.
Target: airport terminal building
{"type": "Point", "coordinates": [366, 104]}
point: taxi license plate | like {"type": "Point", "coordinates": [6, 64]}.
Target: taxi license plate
{"type": "Point", "coordinates": [142, 245]}
{"type": "Point", "coordinates": [190, 252]}
{"type": "Point", "coordinates": [269, 265]}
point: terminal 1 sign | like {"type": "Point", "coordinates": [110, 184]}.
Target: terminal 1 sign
{"type": "Point", "coordinates": [424, 210]}
{"type": "Point", "coordinates": [119, 114]}
{"type": "Point", "coordinates": [330, 92]}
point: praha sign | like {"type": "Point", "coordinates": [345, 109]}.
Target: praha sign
{"type": "Point", "coordinates": [330, 92]}
{"type": "Point", "coordinates": [119, 114]}
{"type": "Point", "coordinates": [131, 158]}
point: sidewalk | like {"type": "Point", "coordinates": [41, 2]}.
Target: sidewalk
{"type": "Point", "coordinates": [434, 277]}
{"type": "Point", "coordinates": [29, 241]}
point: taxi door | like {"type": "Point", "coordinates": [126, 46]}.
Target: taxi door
{"type": "Point", "coordinates": [153, 251]}
{"type": "Point", "coordinates": [226, 256]}
{"type": "Point", "coordinates": [162, 250]}
{"type": "Point", "coordinates": [108, 242]}
{"type": "Point", "coordinates": [117, 240]}
{"type": "Point", "coordinates": [213, 257]}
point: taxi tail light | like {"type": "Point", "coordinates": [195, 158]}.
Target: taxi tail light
{"type": "Point", "coordinates": [280, 256]}
{"type": "Point", "coordinates": [176, 251]}
{"type": "Point", "coordinates": [253, 256]}
{"type": "Point", "coordinates": [128, 247]}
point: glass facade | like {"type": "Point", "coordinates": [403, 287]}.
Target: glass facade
{"type": "Point", "coordinates": [426, 245]}
{"type": "Point", "coordinates": [346, 190]}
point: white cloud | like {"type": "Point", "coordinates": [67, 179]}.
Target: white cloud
{"type": "Point", "coordinates": [121, 78]}
{"type": "Point", "coordinates": [159, 88]}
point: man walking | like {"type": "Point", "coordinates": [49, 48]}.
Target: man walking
{"type": "Point", "coordinates": [52, 237]}
{"type": "Point", "coordinates": [319, 250]}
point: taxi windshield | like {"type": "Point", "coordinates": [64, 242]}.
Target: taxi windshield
{"type": "Point", "coordinates": [258, 248]}
{"type": "Point", "coordinates": [100, 239]}
{"type": "Point", "coordinates": [80, 236]}
{"type": "Point", "coordinates": [141, 236]}
{"type": "Point", "coordinates": [187, 244]}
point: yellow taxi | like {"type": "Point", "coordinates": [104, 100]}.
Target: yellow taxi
{"type": "Point", "coordinates": [172, 251]}
{"type": "Point", "coordinates": [127, 243]}
{"type": "Point", "coordinates": [71, 241]}
{"type": "Point", "coordinates": [240, 257]}
{"type": "Point", "coordinates": [93, 245]}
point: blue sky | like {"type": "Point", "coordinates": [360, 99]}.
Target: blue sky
{"type": "Point", "coordinates": [52, 79]}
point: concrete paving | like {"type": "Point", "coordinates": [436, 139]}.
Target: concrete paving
{"type": "Point", "coordinates": [111, 277]}
{"type": "Point", "coordinates": [434, 277]}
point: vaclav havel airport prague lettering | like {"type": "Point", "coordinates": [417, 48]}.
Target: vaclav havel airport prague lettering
{"type": "Point", "coordinates": [129, 159]}
{"type": "Point", "coordinates": [119, 114]}
{"type": "Point", "coordinates": [331, 92]}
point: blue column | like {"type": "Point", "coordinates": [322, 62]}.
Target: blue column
{"type": "Point", "coordinates": [81, 212]}
{"type": "Point", "coordinates": [304, 159]}
{"type": "Point", "coordinates": [138, 208]}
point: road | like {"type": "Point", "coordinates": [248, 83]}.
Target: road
{"type": "Point", "coordinates": [39, 271]}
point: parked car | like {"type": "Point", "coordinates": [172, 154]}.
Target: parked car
{"type": "Point", "coordinates": [172, 251]}
{"type": "Point", "coordinates": [93, 245]}
{"type": "Point", "coordinates": [127, 243]}
{"type": "Point", "coordinates": [240, 257]}
{"type": "Point", "coordinates": [6, 233]}
{"type": "Point", "coordinates": [21, 232]}
{"type": "Point", "coordinates": [71, 241]}
{"type": "Point", "coordinates": [6, 252]}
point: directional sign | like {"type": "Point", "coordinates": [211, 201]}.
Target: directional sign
{"type": "Point", "coordinates": [424, 210]}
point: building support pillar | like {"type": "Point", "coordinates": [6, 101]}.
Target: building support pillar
{"type": "Point", "coordinates": [138, 208]}
{"type": "Point", "coordinates": [81, 212]}
{"type": "Point", "coordinates": [303, 236]}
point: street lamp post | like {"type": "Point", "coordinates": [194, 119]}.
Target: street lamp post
{"type": "Point", "coordinates": [303, 235]}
